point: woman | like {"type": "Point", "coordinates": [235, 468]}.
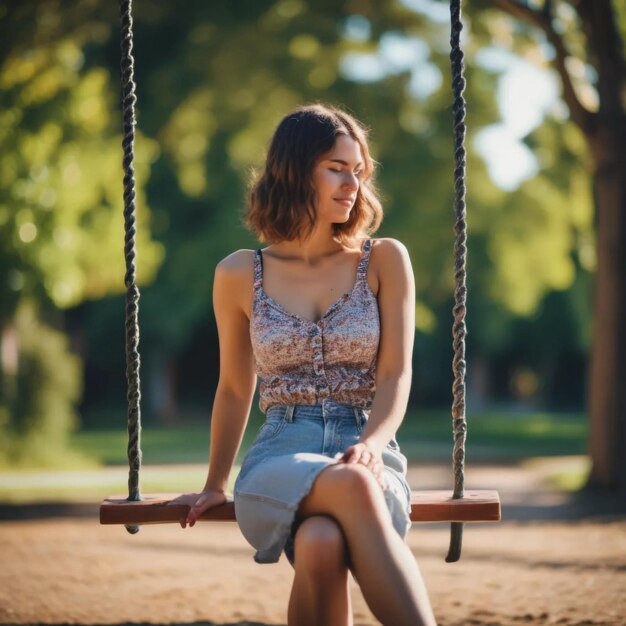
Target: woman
{"type": "Point", "coordinates": [324, 481]}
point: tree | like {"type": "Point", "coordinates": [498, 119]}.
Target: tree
{"type": "Point", "coordinates": [604, 128]}
{"type": "Point", "coordinates": [244, 67]}
{"type": "Point", "coordinates": [60, 213]}
{"type": "Point", "coordinates": [213, 81]}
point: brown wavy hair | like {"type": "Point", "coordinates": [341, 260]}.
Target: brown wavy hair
{"type": "Point", "coordinates": [281, 201]}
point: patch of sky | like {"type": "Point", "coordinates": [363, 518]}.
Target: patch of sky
{"type": "Point", "coordinates": [591, 74]}
{"type": "Point", "coordinates": [396, 54]}
{"type": "Point", "coordinates": [357, 28]}
{"type": "Point", "coordinates": [547, 50]}
{"type": "Point", "coordinates": [362, 67]}
{"type": "Point", "coordinates": [509, 161]}
{"type": "Point", "coordinates": [401, 53]}
{"type": "Point", "coordinates": [425, 80]}
{"type": "Point", "coordinates": [493, 58]}
{"type": "Point", "coordinates": [438, 12]}
{"type": "Point", "coordinates": [525, 94]}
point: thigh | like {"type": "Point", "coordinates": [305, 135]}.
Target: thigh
{"type": "Point", "coordinates": [349, 491]}
{"type": "Point", "coordinates": [339, 487]}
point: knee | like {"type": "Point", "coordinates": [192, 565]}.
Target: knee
{"type": "Point", "coordinates": [320, 547]}
{"type": "Point", "coordinates": [358, 486]}
{"type": "Point", "coordinates": [345, 492]}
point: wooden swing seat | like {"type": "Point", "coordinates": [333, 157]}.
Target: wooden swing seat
{"type": "Point", "coordinates": [426, 506]}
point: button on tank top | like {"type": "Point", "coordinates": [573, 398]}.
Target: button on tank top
{"type": "Point", "coordinates": [299, 361]}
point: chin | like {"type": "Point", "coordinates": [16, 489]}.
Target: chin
{"type": "Point", "coordinates": [337, 216]}
{"type": "Point", "coordinates": [345, 214]}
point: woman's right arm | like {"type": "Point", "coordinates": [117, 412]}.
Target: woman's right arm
{"type": "Point", "coordinates": [237, 380]}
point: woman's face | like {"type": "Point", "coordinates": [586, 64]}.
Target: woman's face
{"type": "Point", "coordinates": [337, 178]}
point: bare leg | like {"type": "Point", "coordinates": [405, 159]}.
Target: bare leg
{"type": "Point", "coordinates": [382, 562]}
{"type": "Point", "coordinates": [320, 595]}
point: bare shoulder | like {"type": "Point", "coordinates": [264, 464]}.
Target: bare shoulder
{"type": "Point", "coordinates": [234, 277]}
{"type": "Point", "coordinates": [236, 263]}
{"type": "Point", "coordinates": [388, 247]}
{"type": "Point", "coordinates": [389, 256]}
{"type": "Point", "coordinates": [389, 260]}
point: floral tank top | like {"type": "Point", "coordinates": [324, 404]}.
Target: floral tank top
{"type": "Point", "coordinates": [299, 361]}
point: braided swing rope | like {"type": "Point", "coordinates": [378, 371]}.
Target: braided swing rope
{"type": "Point", "coordinates": [459, 423]}
{"type": "Point", "coordinates": [132, 292]}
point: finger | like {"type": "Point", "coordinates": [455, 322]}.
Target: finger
{"type": "Point", "coordinates": [349, 455]}
{"type": "Point", "coordinates": [369, 460]}
{"type": "Point", "coordinates": [364, 461]}
{"type": "Point", "coordinates": [354, 456]}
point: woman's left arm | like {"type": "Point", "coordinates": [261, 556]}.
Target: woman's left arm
{"type": "Point", "coordinates": [396, 304]}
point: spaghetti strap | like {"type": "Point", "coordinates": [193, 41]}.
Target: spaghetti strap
{"type": "Point", "coordinates": [304, 360]}
{"type": "Point", "coordinates": [258, 270]}
{"type": "Point", "coordinates": [361, 273]}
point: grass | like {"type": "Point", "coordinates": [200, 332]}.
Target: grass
{"type": "Point", "coordinates": [422, 435]}
{"type": "Point", "coordinates": [94, 485]}
{"type": "Point", "coordinates": [176, 458]}
{"type": "Point", "coordinates": [496, 435]}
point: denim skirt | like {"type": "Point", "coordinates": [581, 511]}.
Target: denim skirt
{"type": "Point", "coordinates": [293, 445]}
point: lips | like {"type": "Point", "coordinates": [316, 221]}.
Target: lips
{"type": "Point", "coordinates": [348, 202]}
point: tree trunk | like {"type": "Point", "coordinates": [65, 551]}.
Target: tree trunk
{"type": "Point", "coordinates": [163, 387]}
{"type": "Point", "coordinates": [607, 382]}
{"type": "Point", "coordinates": [605, 131]}
{"type": "Point", "coordinates": [9, 361]}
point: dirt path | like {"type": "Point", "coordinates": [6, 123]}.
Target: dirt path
{"type": "Point", "coordinates": [569, 570]}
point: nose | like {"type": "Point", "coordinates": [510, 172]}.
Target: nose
{"type": "Point", "coordinates": [352, 182]}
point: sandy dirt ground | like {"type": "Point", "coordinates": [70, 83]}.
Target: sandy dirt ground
{"type": "Point", "coordinates": [551, 560]}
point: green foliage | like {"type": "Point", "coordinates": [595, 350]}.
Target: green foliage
{"type": "Point", "coordinates": [213, 80]}
{"type": "Point", "coordinates": [245, 69]}
{"type": "Point", "coordinates": [61, 220]}
{"type": "Point", "coordinates": [537, 236]}
{"type": "Point", "coordinates": [242, 70]}
{"type": "Point", "coordinates": [37, 409]}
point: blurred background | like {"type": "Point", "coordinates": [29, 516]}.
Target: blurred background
{"type": "Point", "coordinates": [213, 81]}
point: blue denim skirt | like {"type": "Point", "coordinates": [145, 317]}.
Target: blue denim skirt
{"type": "Point", "coordinates": [293, 445]}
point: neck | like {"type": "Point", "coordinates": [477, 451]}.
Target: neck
{"type": "Point", "coordinates": [319, 244]}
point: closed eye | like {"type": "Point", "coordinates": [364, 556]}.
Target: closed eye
{"type": "Point", "coordinates": [359, 173]}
